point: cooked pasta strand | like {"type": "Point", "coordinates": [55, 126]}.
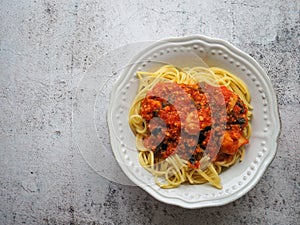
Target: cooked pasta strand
{"type": "Point", "coordinates": [175, 170]}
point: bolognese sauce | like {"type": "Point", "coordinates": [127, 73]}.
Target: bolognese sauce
{"type": "Point", "coordinates": [180, 119]}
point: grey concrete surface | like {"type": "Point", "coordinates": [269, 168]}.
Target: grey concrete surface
{"type": "Point", "coordinates": [46, 46]}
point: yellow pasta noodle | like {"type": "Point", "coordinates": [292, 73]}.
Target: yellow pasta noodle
{"type": "Point", "coordinates": [174, 170]}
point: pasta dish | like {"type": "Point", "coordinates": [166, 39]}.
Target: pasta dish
{"type": "Point", "coordinates": [190, 124]}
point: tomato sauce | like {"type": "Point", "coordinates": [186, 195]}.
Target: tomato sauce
{"type": "Point", "coordinates": [192, 120]}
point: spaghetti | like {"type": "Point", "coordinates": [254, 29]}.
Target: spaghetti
{"type": "Point", "coordinates": [190, 123]}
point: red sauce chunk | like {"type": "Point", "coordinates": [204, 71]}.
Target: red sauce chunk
{"type": "Point", "coordinates": [193, 120]}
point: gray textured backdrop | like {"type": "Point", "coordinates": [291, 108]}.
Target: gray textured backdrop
{"type": "Point", "coordinates": [47, 45]}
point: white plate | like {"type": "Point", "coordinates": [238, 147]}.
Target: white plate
{"type": "Point", "coordinates": [238, 179]}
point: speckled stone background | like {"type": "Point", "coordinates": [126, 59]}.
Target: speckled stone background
{"type": "Point", "coordinates": [45, 48]}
